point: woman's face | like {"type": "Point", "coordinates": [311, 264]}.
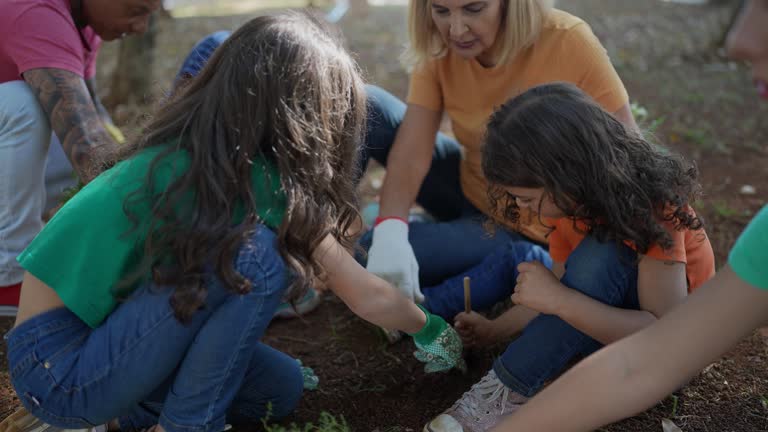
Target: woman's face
{"type": "Point", "coordinates": [536, 199]}
{"type": "Point", "coordinates": [748, 41]}
{"type": "Point", "coordinates": [468, 27]}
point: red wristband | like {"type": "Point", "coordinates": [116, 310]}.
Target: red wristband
{"type": "Point", "coordinates": [382, 219]}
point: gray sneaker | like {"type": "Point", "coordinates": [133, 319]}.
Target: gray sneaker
{"type": "Point", "coordinates": [479, 409]}
{"type": "Point", "coordinates": [23, 421]}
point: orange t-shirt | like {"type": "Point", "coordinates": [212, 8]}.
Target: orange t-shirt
{"type": "Point", "coordinates": [688, 246]}
{"type": "Point", "coordinates": [566, 50]}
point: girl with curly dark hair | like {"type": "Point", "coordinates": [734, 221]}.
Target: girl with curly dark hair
{"type": "Point", "coordinates": [147, 294]}
{"type": "Point", "coordinates": [625, 244]}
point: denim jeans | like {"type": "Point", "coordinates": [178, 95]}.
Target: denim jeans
{"type": "Point", "coordinates": [25, 136]}
{"type": "Point", "coordinates": [457, 241]}
{"type": "Point", "coordinates": [493, 280]}
{"type": "Point", "coordinates": [607, 272]}
{"type": "Point", "coordinates": [143, 366]}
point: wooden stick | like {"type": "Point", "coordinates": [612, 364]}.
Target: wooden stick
{"type": "Point", "coordinates": [467, 296]}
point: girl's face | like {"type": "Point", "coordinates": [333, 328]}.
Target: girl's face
{"type": "Point", "coordinates": [468, 27]}
{"type": "Point", "coordinates": [748, 41]}
{"type": "Point", "coordinates": [536, 199]}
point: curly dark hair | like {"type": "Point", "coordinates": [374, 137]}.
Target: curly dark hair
{"type": "Point", "coordinates": [597, 171]}
{"type": "Point", "coordinates": [281, 88]}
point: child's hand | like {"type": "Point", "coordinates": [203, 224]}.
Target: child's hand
{"type": "Point", "coordinates": [439, 346]}
{"type": "Point", "coordinates": [475, 330]}
{"type": "Point", "coordinates": [539, 289]}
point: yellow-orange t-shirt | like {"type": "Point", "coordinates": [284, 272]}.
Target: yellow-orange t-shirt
{"type": "Point", "coordinates": [468, 92]}
{"type": "Point", "coordinates": [688, 246]}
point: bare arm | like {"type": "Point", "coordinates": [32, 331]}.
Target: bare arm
{"type": "Point", "coordinates": [74, 118]}
{"type": "Point", "coordinates": [661, 286]}
{"type": "Point", "coordinates": [368, 296]}
{"type": "Point", "coordinates": [409, 160]}
{"type": "Point", "coordinates": [633, 374]}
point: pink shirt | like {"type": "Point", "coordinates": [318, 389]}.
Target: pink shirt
{"type": "Point", "coordinates": [42, 34]}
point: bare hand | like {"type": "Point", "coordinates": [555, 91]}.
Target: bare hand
{"type": "Point", "coordinates": [475, 330]}
{"type": "Point", "coordinates": [539, 289]}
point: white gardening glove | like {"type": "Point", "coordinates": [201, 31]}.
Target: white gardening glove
{"type": "Point", "coordinates": [391, 258]}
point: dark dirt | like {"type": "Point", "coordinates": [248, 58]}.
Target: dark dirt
{"type": "Point", "coordinates": [668, 58]}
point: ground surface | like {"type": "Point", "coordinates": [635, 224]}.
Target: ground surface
{"type": "Point", "coordinates": [707, 109]}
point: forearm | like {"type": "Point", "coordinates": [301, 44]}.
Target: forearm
{"type": "Point", "coordinates": [381, 304]}
{"type": "Point", "coordinates": [634, 373]}
{"type": "Point", "coordinates": [602, 322]}
{"type": "Point", "coordinates": [512, 322]}
{"type": "Point", "coordinates": [369, 297]}
{"type": "Point", "coordinates": [409, 160]}
{"type": "Point", "coordinates": [405, 174]}
{"type": "Point", "coordinates": [74, 118]}
{"type": "Point", "coordinates": [100, 109]}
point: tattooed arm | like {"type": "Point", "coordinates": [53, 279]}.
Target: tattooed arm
{"type": "Point", "coordinates": [74, 118]}
{"type": "Point", "coordinates": [90, 83]}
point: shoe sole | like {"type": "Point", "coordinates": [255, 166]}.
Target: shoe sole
{"type": "Point", "coordinates": [8, 311]}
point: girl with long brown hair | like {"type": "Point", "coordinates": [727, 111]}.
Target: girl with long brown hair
{"type": "Point", "coordinates": [147, 294]}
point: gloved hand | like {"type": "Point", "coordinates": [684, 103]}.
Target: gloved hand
{"type": "Point", "coordinates": [438, 345]}
{"type": "Point", "coordinates": [391, 258]}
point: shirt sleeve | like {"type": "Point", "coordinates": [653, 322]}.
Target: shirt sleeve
{"type": "Point", "coordinates": [675, 253]}
{"type": "Point", "coordinates": [425, 87]}
{"type": "Point", "coordinates": [90, 60]}
{"type": "Point", "coordinates": [749, 256]}
{"type": "Point", "coordinates": [44, 38]}
{"type": "Point", "coordinates": [595, 72]}
{"type": "Point", "coordinates": [559, 247]}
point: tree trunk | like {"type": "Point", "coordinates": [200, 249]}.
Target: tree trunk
{"type": "Point", "coordinates": [132, 79]}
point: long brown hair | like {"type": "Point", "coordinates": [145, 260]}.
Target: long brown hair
{"type": "Point", "coordinates": [597, 171]}
{"type": "Point", "coordinates": [280, 89]}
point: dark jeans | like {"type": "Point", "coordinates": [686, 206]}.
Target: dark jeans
{"type": "Point", "coordinates": [457, 241]}
{"type": "Point", "coordinates": [606, 272]}
{"type": "Point", "coordinates": [493, 280]}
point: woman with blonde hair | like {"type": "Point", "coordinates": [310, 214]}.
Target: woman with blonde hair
{"type": "Point", "coordinates": [468, 57]}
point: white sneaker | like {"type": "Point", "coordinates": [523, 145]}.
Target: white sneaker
{"type": "Point", "coordinates": [479, 409]}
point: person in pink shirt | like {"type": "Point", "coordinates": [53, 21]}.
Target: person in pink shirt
{"type": "Point", "coordinates": [48, 52]}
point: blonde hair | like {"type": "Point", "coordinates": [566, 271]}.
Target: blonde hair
{"type": "Point", "coordinates": [519, 29]}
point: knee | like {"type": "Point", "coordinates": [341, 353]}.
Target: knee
{"type": "Point", "coordinates": [385, 112]}
{"type": "Point", "coordinates": [605, 271]}
{"type": "Point", "coordinates": [525, 251]}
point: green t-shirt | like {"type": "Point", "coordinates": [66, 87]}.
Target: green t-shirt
{"type": "Point", "coordinates": [88, 247]}
{"type": "Point", "coordinates": [749, 256]}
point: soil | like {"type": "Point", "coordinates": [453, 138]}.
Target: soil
{"type": "Point", "coordinates": [668, 57]}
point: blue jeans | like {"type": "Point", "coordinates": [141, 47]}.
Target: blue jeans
{"type": "Point", "coordinates": [143, 366]}
{"type": "Point", "coordinates": [606, 272]}
{"type": "Point", "coordinates": [457, 241]}
{"type": "Point", "coordinates": [493, 280]}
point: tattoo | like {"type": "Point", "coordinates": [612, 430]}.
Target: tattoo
{"type": "Point", "coordinates": [90, 83]}
{"type": "Point", "coordinates": [66, 100]}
